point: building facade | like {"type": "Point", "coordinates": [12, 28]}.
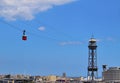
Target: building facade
{"type": "Point", "coordinates": [111, 75]}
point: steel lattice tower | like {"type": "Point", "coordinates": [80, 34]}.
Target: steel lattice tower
{"type": "Point", "coordinates": [92, 60]}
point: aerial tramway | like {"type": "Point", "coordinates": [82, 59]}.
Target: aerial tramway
{"type": "Point", "coordinates": [24, 37]}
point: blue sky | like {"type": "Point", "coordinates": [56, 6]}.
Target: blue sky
{"type": "Point", "coordinates": [58, 35]}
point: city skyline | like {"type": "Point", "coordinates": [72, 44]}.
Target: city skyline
{"type": "Point", "coordinates": [58, 33]}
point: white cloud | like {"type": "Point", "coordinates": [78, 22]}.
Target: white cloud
{"type": "Point", "coordinates": [98, 40]}
{"type": "Point", "coordinates": [107, 39]}
{"type": "Point", "coordinates": [42, 28]}
{"type": "Point", "coordinates": [110, 39]}
{"type": "Point", "coordinates": [26, 9]}
{"type": "Point", "coordinates": [70, 43]}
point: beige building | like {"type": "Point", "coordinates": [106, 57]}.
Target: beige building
{"type": "Point", "coordinates": [51, 78]}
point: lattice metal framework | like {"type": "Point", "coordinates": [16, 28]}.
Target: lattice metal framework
{"type": "Point", "coordinates": [92, 59]}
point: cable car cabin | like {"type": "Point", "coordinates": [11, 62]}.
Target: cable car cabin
{"type": "Point", "coordinates": [24, 37]}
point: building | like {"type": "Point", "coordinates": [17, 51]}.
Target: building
{"type": "Point", "coordinates": [111, 75]}
{"type": "Point", "coordinates": [51, 78]}
{"type": "Point", "coordinates": [10, 80]}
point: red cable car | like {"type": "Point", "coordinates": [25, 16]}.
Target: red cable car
{"type": "Point", "coordinates": [24, 37]}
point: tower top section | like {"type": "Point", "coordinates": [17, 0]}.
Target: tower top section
{"type": "Point", "coordinates": [92, 39]}
{"type": "Point", "coordinates": [92, 44]}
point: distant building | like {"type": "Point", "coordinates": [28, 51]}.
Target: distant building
{"type": "Point", "coordinates": [111, 75]}
{"type": "Point", "coordinates": [64, 74]}
{"type": "Point", "coordinates": [10, 80]}
{"type": "Point", "coordinates": [51, 78]}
